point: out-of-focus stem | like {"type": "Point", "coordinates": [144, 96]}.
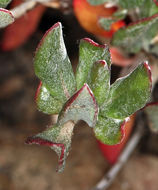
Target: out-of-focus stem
{"type": "Point", "coordinates": [30, 4]}
{"type": "Point", "coordinates": [109, 177]}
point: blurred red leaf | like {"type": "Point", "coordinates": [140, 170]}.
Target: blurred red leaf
{"type": "Point", "coordinates": [18, 32]}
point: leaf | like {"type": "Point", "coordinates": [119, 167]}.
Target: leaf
{"type": "Point", "coordinates": [148, 8]}
{"type": "Point", "coordinates": [152, 112]}
{"type": "Point", "coordinates": [109, 131]}
{"type": "Point", "coordinates": [99, 81]}
{"type": "Point", "coordinates": [141, 31]}
{"type": "Point", "coordinates": [97, 2]}
{"type": "Point", "coordinates": [53, 66]}
{"type": "Point", "coordinates": [18, 33]}
{"type": "Point", "coordinates": [128, 4]}
{"type": "Point", "coordinates": [4, 3]}
{"type": "Point", "coordinates": [107, 22]}
{"type": "Point", "coordinates": [89, 53]}
{"type": "Point", "coordinates": [57, 138]}
{"type": "Point", "coordinates": [46, 102]}
{"type": "Point", "coordinates": [6, 18]}
{"type": "Point", "coordinates": [81, 106]}
{"type": "Point", "coordinates": [128, 94]}
{"type": "Point", "coordinates": [120, 14]}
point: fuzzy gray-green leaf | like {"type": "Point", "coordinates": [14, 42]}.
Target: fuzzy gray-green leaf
{"type": "Point", "coordinates": [99, 81]}
{"type": "Point", "coordinates": [89, 53]}
{"type": "Point", "coordinates": [128, 94]}
{"type": "Point", "coordinates": [6, 18]}
{"type": "Point", "coordinates": [97, 2]}
{"type": "Point", "coordinates": [81, 106]}
{"type": "Point", "coordinates": [57, 138]}
{"type": "Point", "coordinates": [142, 32]}
{"type": "Point", "coordinates": [46, 102]}
{"type": "Point", "coordinates": [106, 22]}
{"type": "Point", "coordinates": [108, 130]}
{"type": "Point", "coordinates": [4, 3]}
{"type": "Point", "coordinates": [128, 4]}
{"type": "Point", "coordinates": [53, 66]}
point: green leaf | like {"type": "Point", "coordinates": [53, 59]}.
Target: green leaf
{"type": "Point", "coordinates": [4, 3]}
{"type": "Point", "coordinates": [152, 112]}
{"type": "Point", "coordinates": [128, 94]}
{"type": "Point", "coordinates": [97, 2]}
{"type": "Point", "coordinates": [109, 131]}
{"type": "Point", "coordinates": [141, 32]}
{"type": "Point", "coordinates": [89, 53]}
{"type": "Point", "coordinates": [53, 66]}
{"type": "Point", "coordinates": [99, 81]}
{"type": "Point", "coordinates": [6, 18]}
{"type": "Point", "coordinates": [120, 14]}
{"type": "Point", "coordinates": [106, 23]}
{"type": "Point", "coordinates": [128, 4]}
{"type": "Point", "coordinates": [46, 102]}
{"type": "Point", "coordinates": [148, 9]}
{"type": "Point", "coordinates": [81, 106]}
{"type": "Point", "coordinates": [57, 138]}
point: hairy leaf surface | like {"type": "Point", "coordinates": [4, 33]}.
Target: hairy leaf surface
{"type": "Point", "coordinates": [46, 102]}
{"type": "Point", "coordinates": [89, 53]}
{"type": "Point", "coordinates": [109, 131]}
{"type": "Point", "coordinates": [142, 32]}
{"type": "Point", "coordinates": [99, 81]}
{"type": "Point", "coordinates": [53, 66]}
{"type": "Point", "coordinates": [6, 18]}
{"type": "Point", "coordinates": [81, 106]}
{"type": "Point", "coordinates": [57, 138]}
{"type": "Point", "coordinates": [128, 94]}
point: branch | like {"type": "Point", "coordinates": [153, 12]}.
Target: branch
{"type": "Point", "coordinates": [28, 5]}
{"type": "Point", "coordinates": [107, 180]}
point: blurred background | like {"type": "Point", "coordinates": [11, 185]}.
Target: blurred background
{"type": "Point", "coordinates": [24, 167]}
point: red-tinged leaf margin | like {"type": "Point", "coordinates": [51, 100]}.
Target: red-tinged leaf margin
{"type": "Point", "coordinates": [142, 20]}
{"type": "Point", "coordinates": [149, 104]}
{"type": "Point", "coordinates": [122, 128]}
{"type": "Point", "coordinates": [94, 43]}
{"type": "Point", "coordinates": [38, 90]}
{"type": "Point", "coordinates": [16, 34]}
{"type": "Point", "coordinates": [156, 2]}
{"type": "Point", "coordinates": [7, 11]}
{"type": "Point", "coordinates": [46, 33]}
{"type": "Point", "coordinates": [43, 142]}
{"type": "Point", "coordinates": [73, 98]}
{"type": "Point", "coordinates": [148, 69]}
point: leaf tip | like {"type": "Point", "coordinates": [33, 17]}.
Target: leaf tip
{"type": "Point", "coordinates": [88, 40]}
{"type": "Point", "coordinates": [148, 70]}
{"type": "Point", "coordinates": [6, 17]}
{"type": "Point", "coordinates": [39, 141]}
{"type": "Point", "coordinates": [95, 103]}
{"type": "Point", "coordinates": [56, 25]}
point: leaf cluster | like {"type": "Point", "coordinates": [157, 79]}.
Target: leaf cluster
{"type": "Point", "coordinates": [86, 95]}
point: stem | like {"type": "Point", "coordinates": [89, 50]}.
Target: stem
{"type": "Point", "coordinates": [29, 5]}
{"type": "Point", "coordinates": [107, 180]}
{"type": "Point", "coordinates": [23, 8]}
